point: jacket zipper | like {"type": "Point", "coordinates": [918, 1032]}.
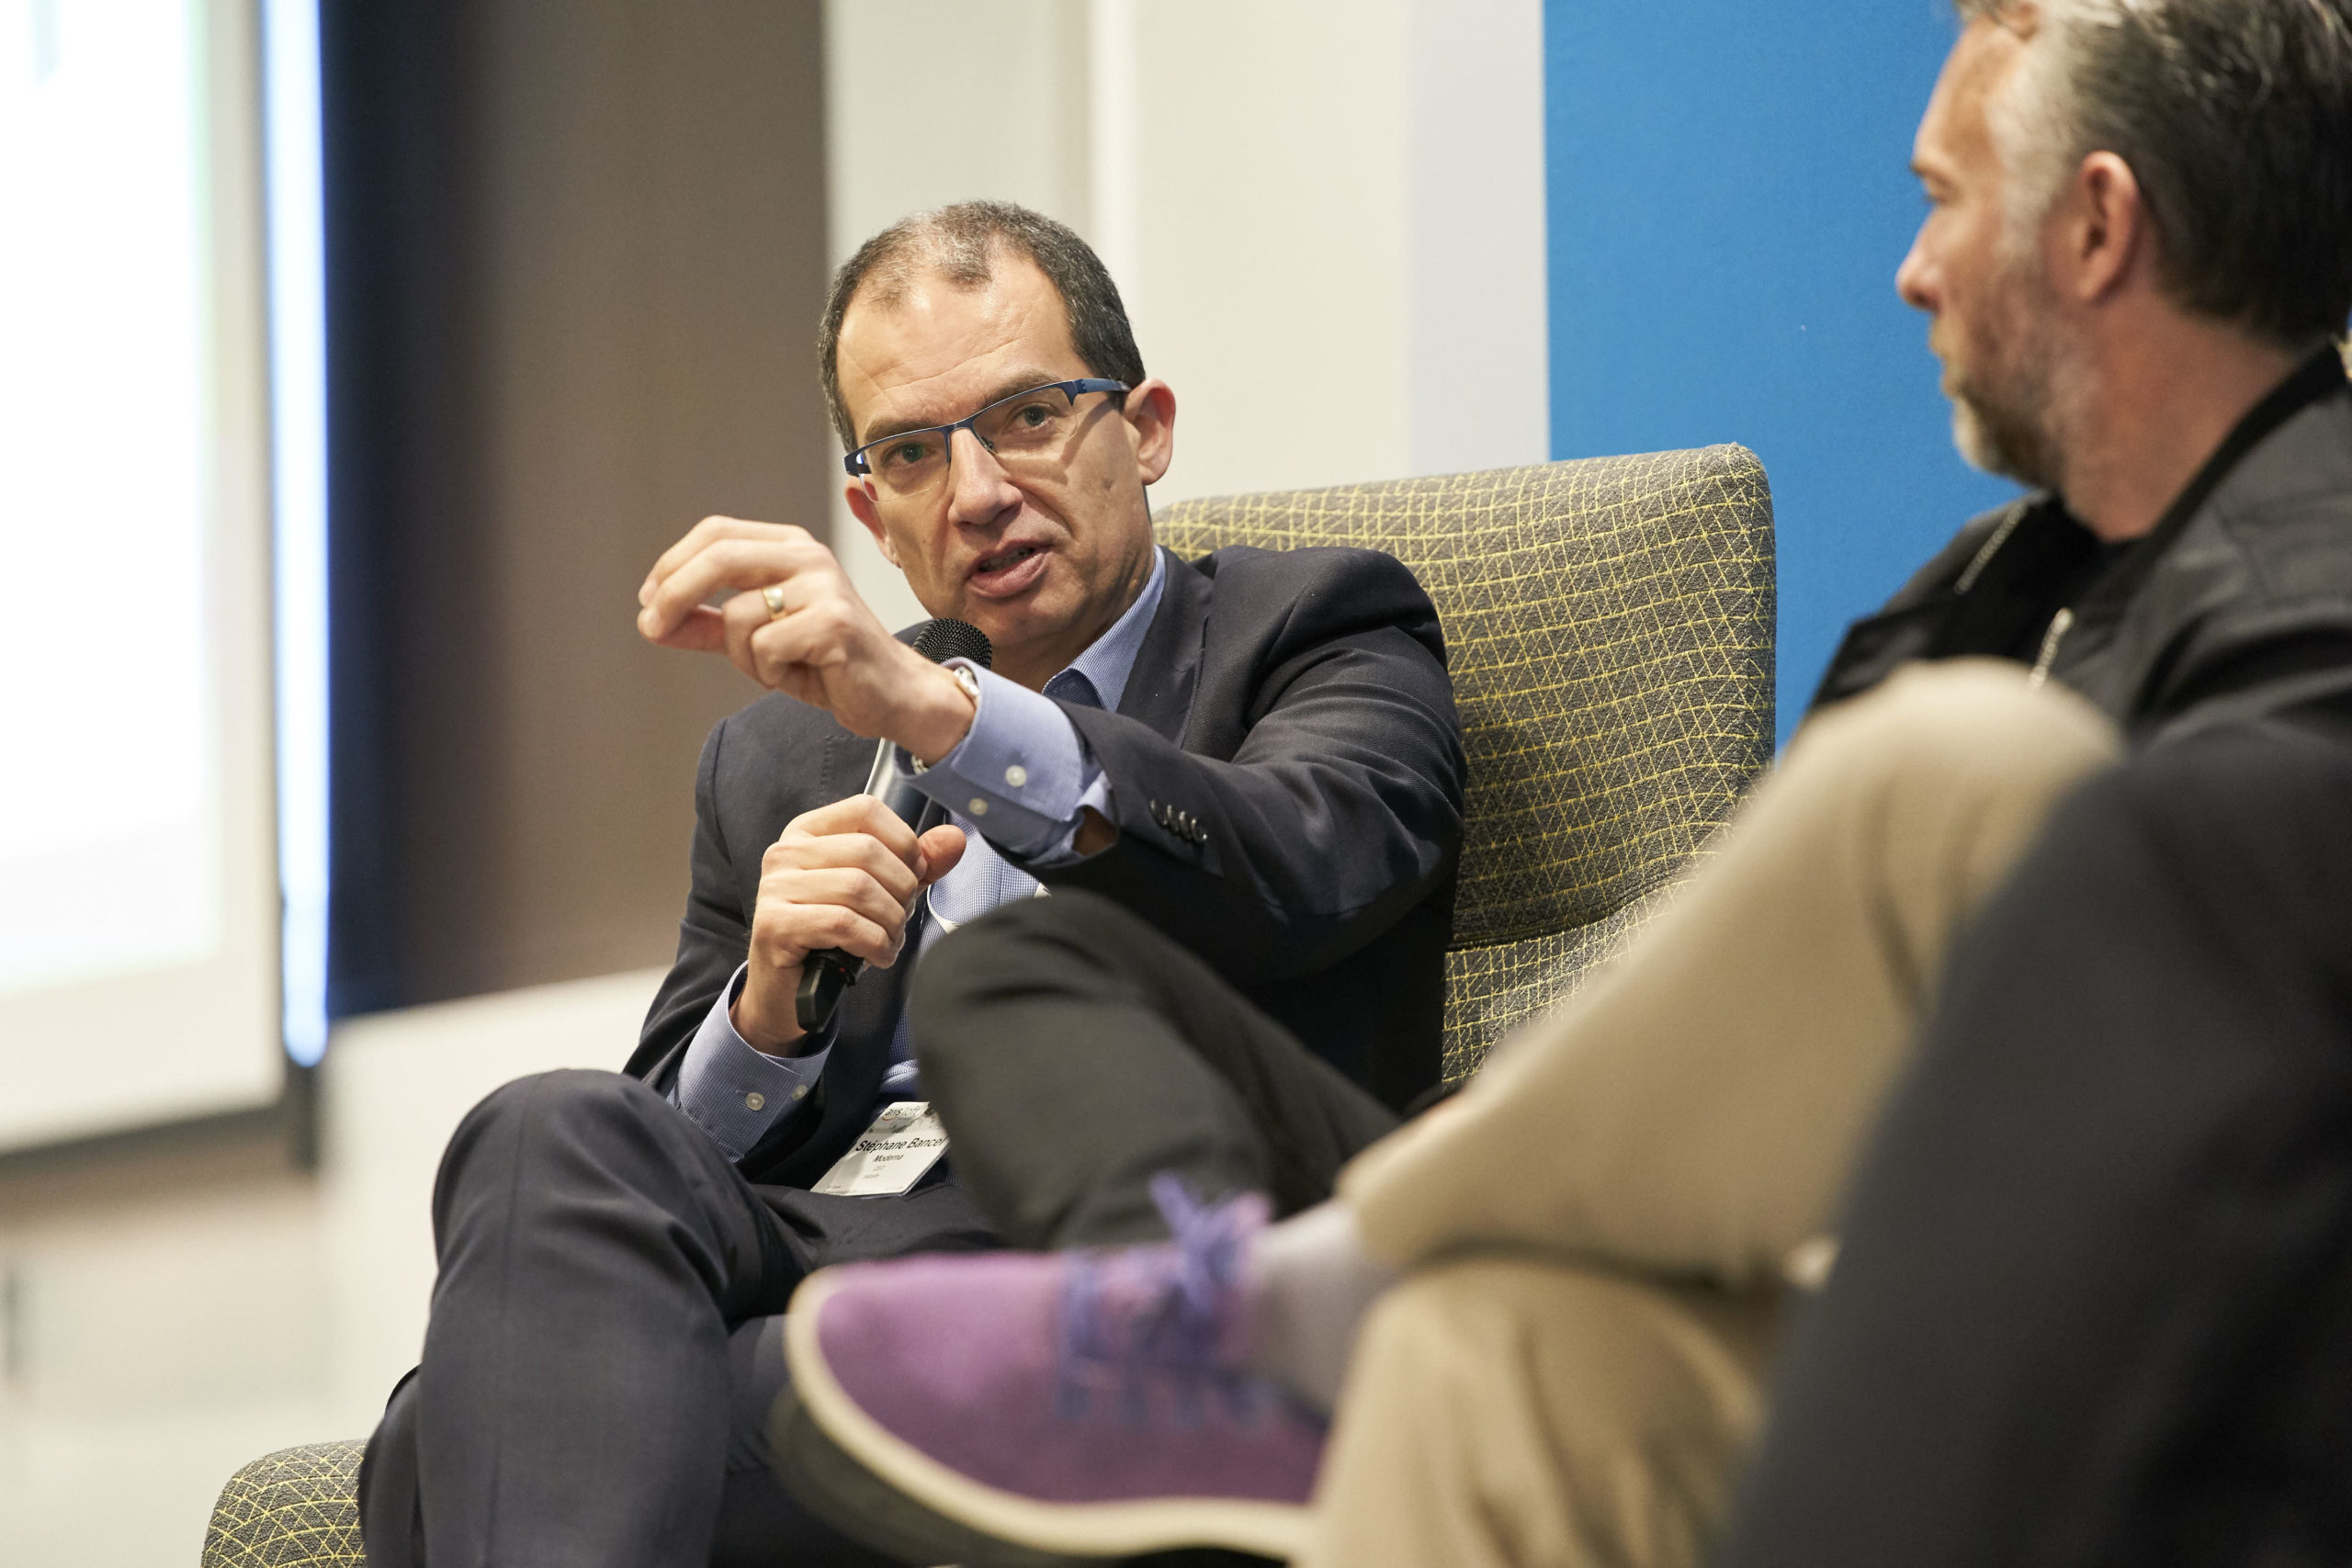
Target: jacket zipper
{"type": "Point", "coordinates": [2060, 624]}
{"type": "Point", "coordinates": [1989, 549]}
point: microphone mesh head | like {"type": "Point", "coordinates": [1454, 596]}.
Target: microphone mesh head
{"type": "Point", "coordinates": [943, 639]}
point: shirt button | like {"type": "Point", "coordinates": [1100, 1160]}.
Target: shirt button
{"type": "Point", "coordinates": [755, 1100]}
{"type": "Point", "coordinates": [977, 807]}
{"type": "Point", "coordinates": [798, 1090]}
{"type": "Point", "coordinates": [1016, 775]}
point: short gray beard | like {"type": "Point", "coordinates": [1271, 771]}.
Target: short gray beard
{"type": "Point", "coordinates": [2005, 416]}
{"type": "Point", "coordinates": [2005, 438]}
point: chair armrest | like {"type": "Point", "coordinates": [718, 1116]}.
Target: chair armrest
{"type": "Point", "coordinates": [294, 1508]}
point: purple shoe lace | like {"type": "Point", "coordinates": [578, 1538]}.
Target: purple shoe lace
{"type": "Point", "coordinates": [1167, 1316]}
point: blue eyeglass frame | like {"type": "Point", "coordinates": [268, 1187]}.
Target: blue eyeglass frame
{"type": "Point", "coordinates": [859, 467]}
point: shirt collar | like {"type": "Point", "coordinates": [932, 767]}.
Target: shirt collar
{"type": "Point", "coordinates": [1109, 660]}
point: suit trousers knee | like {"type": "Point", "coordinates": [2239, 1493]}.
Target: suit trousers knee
{"type": "Point", "coordinates": [1072, 1051]}
{"type": "Point", "coordinates": [592, 1388]}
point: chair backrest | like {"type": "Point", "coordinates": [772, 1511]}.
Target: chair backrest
{"type": "Point", "coordinates": [1609, 628]}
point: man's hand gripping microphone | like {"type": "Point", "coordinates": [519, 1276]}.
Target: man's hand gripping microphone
{"type": "Point", "coordinates": [827, 973]}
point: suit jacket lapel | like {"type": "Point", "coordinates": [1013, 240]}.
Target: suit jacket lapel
{"type": "Point", "coordinates": [1160, 691]}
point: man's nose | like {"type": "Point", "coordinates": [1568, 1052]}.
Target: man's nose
{"type": "Point", "coordinates": [1911, 278]}
{"type": "Point", "coordinates": [978, 487]}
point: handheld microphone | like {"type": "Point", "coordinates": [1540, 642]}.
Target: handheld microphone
{"type": "Point", "coordinates": [827, 973]}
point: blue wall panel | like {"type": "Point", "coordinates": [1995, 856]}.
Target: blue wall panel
{"type": "Point", "coordinates": [1729, 197]}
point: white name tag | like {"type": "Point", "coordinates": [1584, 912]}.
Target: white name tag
{"type": "Point", "coordinates": [889, 1156]}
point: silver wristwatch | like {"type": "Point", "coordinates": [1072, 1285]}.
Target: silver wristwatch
{"type": "Point", "coordinates": [916, 766]}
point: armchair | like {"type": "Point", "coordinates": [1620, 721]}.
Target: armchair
{"type": "Point", "coordinates": [1609, 626]}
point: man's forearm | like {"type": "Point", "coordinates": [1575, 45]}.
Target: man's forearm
{"type": "Point", "coordinates": [1340, 810]}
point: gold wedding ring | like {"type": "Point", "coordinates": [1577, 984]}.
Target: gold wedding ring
{"type": "Point", "coordinates": [772, 597]}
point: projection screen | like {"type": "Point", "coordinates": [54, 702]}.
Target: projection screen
{"type": "Point", "coordinates": [140, 908]}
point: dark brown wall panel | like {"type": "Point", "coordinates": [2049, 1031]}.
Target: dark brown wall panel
{"type": "Point", "coordinates": [583, 255]}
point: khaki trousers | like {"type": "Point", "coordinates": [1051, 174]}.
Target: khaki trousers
{"type": "Point", "coordinates": [1595, 1228]}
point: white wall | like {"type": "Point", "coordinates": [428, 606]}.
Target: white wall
{"type": "Point", "coordinates": [933, 101]}
{"type": "Point", "coordinates": [1477, 358]}
{"type": "Point", "coordinates": [1327, 218]}
{"type": "Point", "coordinates": [163, 1325]}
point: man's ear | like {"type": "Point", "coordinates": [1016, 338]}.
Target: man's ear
{"type": "Point", "coordinates": [2105, 232]}
{"type": "Point", "coordinates": [861, 506]}
{"type": "Point", "coordinates": [1151, 411]}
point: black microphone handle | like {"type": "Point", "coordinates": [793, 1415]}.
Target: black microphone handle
{"type": "Point", "coordinates": [828, 972]}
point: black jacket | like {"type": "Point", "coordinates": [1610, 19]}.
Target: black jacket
{"type": "Point", "coordinates": [1286, 775]}
{"type": "Point", "coordinates": [2238, 603]}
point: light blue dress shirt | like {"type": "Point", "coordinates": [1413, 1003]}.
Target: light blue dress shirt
{"type": "Point", "coordinates": [1021, 777]}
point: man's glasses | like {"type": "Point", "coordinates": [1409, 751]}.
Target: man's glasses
{"type": "Point", "coordinates": [1027, 428]}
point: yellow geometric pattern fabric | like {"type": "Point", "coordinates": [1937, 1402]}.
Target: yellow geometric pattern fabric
{"type": "Point", "coordinates": [295, 1508]}
{"type": "Point", "coordinates": [1609, 626]}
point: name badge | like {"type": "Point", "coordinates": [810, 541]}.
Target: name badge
{"type": "Point", "coordinates": [892, 1155]}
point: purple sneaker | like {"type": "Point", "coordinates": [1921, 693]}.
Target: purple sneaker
{"type": "Point", "coordinates": [1078, 1404]}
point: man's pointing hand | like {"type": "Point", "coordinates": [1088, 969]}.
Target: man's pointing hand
{"type": "Point", "coordinates": [821, 644]}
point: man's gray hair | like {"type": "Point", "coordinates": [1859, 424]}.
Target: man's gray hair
{"type": "Point", "coordinates": [961, 243]}
{"type": "Point", "coordinates": [2235, 117]}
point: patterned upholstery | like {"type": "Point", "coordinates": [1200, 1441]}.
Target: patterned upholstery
{"type": "Point", "coordinates": [295, 1508]}
{"type": "Point", "coordinates": [1609, 628]}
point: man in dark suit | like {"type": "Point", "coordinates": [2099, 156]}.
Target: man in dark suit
{"type": "Point", "coordinates": [1255, 754]}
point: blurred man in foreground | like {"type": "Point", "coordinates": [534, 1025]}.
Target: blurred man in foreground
{"type": "Point", "coordinates": [2093, 1298]}
{"type": "Point", "coordinates": [1555, 1288]}
{"type": "Point", "coordinates": [1255, 754]}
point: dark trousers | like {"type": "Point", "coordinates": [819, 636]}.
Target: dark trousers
{"type": "Point", "coordinates": [603, 1349]}
{"type": "Point", "coordinates": [2094, 1302]}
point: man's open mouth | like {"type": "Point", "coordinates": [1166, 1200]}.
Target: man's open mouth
{"type": "Point", "coordinates": [1011, 571]}
{"type": "Point", "coordinates": [1004, 560]}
